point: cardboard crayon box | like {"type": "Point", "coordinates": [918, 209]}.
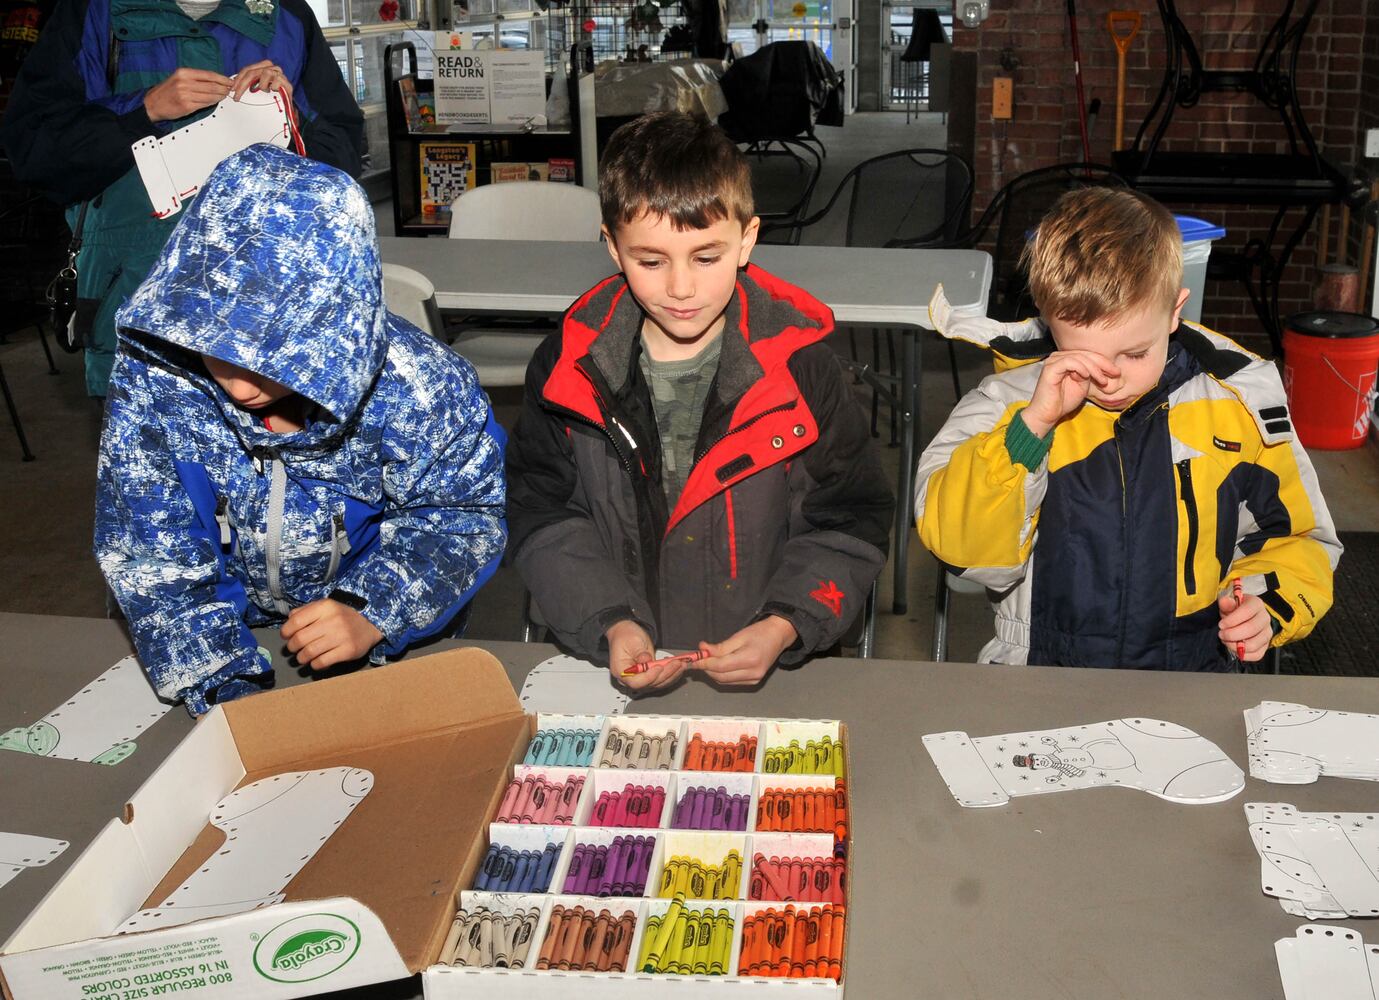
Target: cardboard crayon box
{"type": "Point", "coordinates": [441, 739]}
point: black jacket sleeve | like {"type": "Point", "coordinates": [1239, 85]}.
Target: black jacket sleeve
{"type": "Point", "coordinates": [58, 141]}
{"type": "Point", "coordinates": [335, 135]}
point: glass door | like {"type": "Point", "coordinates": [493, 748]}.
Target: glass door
{"type": "Point", "coordinates": [829, 24]}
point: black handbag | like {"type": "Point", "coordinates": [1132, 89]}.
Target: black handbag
{"type": "Point", "coordinates": [62, 295]}
{"type": "Point", "coordinates": [72, 318]}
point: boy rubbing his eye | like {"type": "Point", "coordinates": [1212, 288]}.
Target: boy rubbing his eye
{"type": "Point", "coordinates": [1110, 488]}
{"type": "Point", "coordinates": [690, 469]}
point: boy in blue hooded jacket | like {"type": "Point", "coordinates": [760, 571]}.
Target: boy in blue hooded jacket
{"type": "Point", "coordinates": [279, 448]}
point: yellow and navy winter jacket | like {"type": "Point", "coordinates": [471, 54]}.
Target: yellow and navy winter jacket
{"type": "Point", "coordinates": [1110, 544]}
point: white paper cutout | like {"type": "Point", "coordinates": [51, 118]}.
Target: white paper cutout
{"type": "Point", "coordinates": [19, 851]}
{"type": "Point", "coordinates": [1324, 866]}
{"type": "Point", "coordinates": [98, 724]}
{"type": "Point", "coordinates": [1326, 963]}
{"type": "Point", "coordinates": [1294, 744]}
{"type": "Point", "coordinates": [1160, 758]}
{"type": "Point", "coordinates": [571, 686]}
{"type": "Point", "coordinates": [272, 828]}
{"type": "Point", "coordinates": [174, 167]}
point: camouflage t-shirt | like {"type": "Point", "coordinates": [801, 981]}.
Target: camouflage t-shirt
{"type": "Point", "coordinates": [679, 390]}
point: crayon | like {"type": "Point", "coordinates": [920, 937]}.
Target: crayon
{"type": "Point", "coordinates": [644, 666]}
{"type": "Point", "coordinates": [652, 958]}
{"type": "Point", "coordinates": [653, 929]}
{"type": "Point", "coordinates": [1237, 590]}
{"type": "Point", "coordinates": [835, 953]}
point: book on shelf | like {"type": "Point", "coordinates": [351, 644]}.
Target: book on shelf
{"type": "Point", "coordinates": [447, 171]}
{"type": "Point", "coordinates": [562, 170]}
{"type": "Point", "coordinates": [419, 108]}
{"type": "Point", "coordinates": [500, 173]}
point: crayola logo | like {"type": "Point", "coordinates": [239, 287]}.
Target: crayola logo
{"type": "Point", "coordinates": [306, 948]}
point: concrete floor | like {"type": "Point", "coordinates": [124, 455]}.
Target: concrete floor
{"type": "Point", "coordinates": [46, 505]}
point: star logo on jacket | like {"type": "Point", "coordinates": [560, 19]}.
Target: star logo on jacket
{"type": "Point", "coordinates": [830, 597]}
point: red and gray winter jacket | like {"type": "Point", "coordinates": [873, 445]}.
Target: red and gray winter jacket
{"type": "Point", "coordinates": [786, 510]}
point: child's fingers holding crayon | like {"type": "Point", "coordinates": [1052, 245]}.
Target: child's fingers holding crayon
{"type": "Point", "coordinates": [746, 657]}
{"type": "Point", "coordinates": [1245, 629]}
{"type": "Point", "coordinates": [629, 649]}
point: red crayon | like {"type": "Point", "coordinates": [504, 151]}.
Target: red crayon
{"type": "Point", "coordinates": [641, 668]}
{"type": "Point", "coordinates": [1237, 589]}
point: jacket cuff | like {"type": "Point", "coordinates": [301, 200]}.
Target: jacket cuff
{"type": "Point", "coordinates": [808, 634]}
{"type": "Point", "coordinates": [1023, 446]}
{"type": "Point", "coordinates": [592, 634]}
{"type": "Point", "coordinates": [234, 681]}
{"type": "Point", "coordinates": [136, 124]}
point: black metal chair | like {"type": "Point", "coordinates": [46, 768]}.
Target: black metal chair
{"type": "Point", "coordinates": [1014, 213]}
{"type": "Point", "coordinates": [784, 175]}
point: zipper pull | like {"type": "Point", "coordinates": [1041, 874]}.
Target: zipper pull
{"type": "Point", "coordinates": [222, 518]}
{"type": "Point", "coordinates": [341, 535]}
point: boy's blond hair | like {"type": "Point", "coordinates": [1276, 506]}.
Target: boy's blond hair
{"type": "Point", "coordinates": [1101, 253]}
{"type": "Point", "coordinates": [676, 166]}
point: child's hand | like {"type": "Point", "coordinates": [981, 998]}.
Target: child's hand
{"type": "Point", "coordinates": [1063, 386]}
{"type": "Point", "coordinates": [747, 656]}
{"type": "Point", "coordinates": [628, 643]}
{"type": "Point", "coordinates": [1248, 624]}
{"type": "Point", "coordinates": [324, 633]}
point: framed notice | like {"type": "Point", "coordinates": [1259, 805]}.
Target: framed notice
{"type": "Point", "coordinates": [517, 91]}
{"type": "Point", "coordinates": [462, 86]}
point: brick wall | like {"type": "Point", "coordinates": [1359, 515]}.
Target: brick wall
{"type": "Point", "coordinates": [1334, 61]}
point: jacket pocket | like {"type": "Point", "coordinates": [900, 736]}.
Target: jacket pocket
{"type": "Point", "coordinates": [1189, 499]}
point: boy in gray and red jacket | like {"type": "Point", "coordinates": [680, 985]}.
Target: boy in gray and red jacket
{"type": "Point", "coordinates": [690, 468]}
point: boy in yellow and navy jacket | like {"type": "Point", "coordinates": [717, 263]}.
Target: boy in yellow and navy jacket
{"type": "Point", "coordinates": [1124, 469]}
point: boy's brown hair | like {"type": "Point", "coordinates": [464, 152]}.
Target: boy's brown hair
{"type": "Point", "coordinates": [1101, 253]}
{"type": "Point", "coordinates": [676, 166]}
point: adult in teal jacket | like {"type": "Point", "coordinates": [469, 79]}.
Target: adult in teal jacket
{"type": "Point", "coordinates": [106, 73]}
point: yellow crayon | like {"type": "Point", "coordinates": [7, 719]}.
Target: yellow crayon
{"type": "Point", "coordinates": [722, 943]}
{"type": "Point", "coordinates": [652, 960]}
{"type": "Point", "coordinates": [704, 944]}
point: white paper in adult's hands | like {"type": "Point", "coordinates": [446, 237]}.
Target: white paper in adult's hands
{"type": "Point", "coordinates": [174, 167]}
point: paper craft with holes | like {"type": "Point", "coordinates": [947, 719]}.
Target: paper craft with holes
{"type": "Point", "coordinates": [1294, 745]}
{"type": "Point", "coordinates": [21, 851]}
{"type": "Point", "coordinates": [570, 686]}
{"type": "Point", "coordinates": [1160, 758]}
{"type": "Point", "coordinates": [272, 828]}
{"type": "Point", "coordinates": [1319, 865]}
{"type": "Point", "coordinates": [98, 723]}
{"type": "Point", "coordinates": [174, 167]}
{"type": "Point", "coordinates": [1327, 963]}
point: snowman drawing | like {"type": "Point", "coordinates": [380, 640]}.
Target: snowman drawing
{"type": "Point", "coordinates": [1104, 755]}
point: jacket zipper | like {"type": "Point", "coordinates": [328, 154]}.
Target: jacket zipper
{"type": "Point", "coordinates": [1124, 546]}
{"type": "Point", "coordinates": [269, 462]}
{"type": "Point", "coordinates": [1190, 505]}
{"type": "Point", "coordinates": [339, 545]}
{"type": "Point", "coordinates": [222, 518]}
{"type": "Point", "coordinates": [742, 427]}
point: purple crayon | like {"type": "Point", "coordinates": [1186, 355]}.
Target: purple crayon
{"type": "Point", "coordinates": [572, 877]}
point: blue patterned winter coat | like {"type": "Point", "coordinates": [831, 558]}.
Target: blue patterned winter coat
{"type": "Point", "coordinates": [206, 522]}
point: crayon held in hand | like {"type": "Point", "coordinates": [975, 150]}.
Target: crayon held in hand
{"type": "Point", "coordinates": [641, 668]}
{"type": "Point", "coordinates": [1237, 589]}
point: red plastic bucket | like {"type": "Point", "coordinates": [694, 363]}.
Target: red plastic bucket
{"type": "Point", "coordinates": [1330, 361]}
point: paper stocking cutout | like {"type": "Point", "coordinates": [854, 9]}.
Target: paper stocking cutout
{"type": "Point", "coordinates": [571, 686]}
{"type": "Point", "coordinates": [1294, 744]}
{"type": "Point", "coordinates": [272, 828]}
{"type": "Point", "coordinates": [174, 167]}
{"type": "Point", "coordinates": [1325, 963]}
{"type": "Point", "coordinates": [1160, 758]}
{"type": "Point", "coordinates": [19, 851]}
{"type": "Point", "coordinates": [98, 723]}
